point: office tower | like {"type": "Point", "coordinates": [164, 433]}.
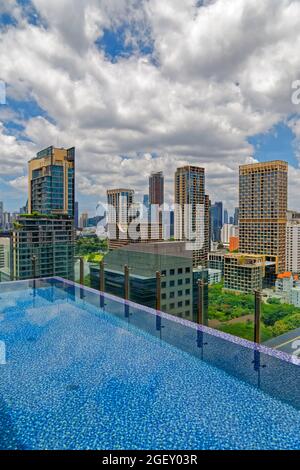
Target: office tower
{"type": "Point", "coordinates": [156, 196]}
{"type": "Point", "coordinates": [293, 243]}
{"type": "Point", "coordinates": [231, 220]}
{"type": "Point", "coordinates": [263, 207]}
{"type": "Point", "coordinates": [226, 218]}
{"type": "Point", "coordinates": [216, 212]}
{"type": "Point", "coordinates": [192, 212]}
{"type": "Point", "coordinates": [51, 182]}
{"type": "Point", "coordinates": [236, 216]}
{"type": "Point", "coordinates": [84, 220]}
{"type": "Point", "coordinates": [119, 203]}
{"type": "Point", "coordinates": [47, 233]}
{"type": "Point", "coordinates": [76, 215]}
{"type": "Point", "coordinates": [156, 188]}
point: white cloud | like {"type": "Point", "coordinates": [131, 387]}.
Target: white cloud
{"type": "Point", "coordinates": [218, 74]}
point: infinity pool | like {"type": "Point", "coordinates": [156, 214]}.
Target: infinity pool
{"type": "Point", "coordinates": [83, 371]}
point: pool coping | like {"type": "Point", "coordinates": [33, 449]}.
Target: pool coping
{"type": "Point", "coordinates": [205, 329]}
{"type": "Point", "coordinates": [187, 323]}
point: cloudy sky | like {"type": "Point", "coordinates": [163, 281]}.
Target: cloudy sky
{"type": "Point", "coordinates": [144, 85]}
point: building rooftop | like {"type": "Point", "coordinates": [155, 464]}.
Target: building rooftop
{"type": "Point", "coordinates": [167, 248]}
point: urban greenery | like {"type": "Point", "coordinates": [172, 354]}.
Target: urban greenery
{"type": "Point", "coordinates": [234, 313]}
{"type": "Point", "coordinates": [86, 246]}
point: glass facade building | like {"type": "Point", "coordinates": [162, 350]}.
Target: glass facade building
{"type": "Point", "coordinates": [52, 182]}
{"type": "Point", "coordinates": [47, 233]}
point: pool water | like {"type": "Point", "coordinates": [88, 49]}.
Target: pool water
{"type": "Point", "coordinates": [77, 377]}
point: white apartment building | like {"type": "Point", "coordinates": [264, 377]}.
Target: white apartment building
{"type": "Point", "coordinates": [293, 246]}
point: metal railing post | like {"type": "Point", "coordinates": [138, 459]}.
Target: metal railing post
{"type": "Point", "coordinates": [126, 282]}
{"type": "Point", "coordinates": [158, 291]}
{"type": "Point", "coordinates": [33, 259]}
{"type": "Point", "coordinates": [200, 316]}
{"type": "Point", "coordinates": [257, 336]}
{"type": "Point", "coordinates": [81, 270]}
{"type": "Point", "coordinates": [102, 277]}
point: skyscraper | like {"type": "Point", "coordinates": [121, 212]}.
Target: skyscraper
{"type": "Point", "coordinates": [216, 212]}
{"type": "Point", "coordinates": [120, 202]}
{"type": "Point", "coordinates": [226, 218]}
{"type": "Point", "coordinates": [47, 233]}
{"type": "Point", "coordinates": [156, 188]}
{"type": "Point", "coordinates": [236, 216]}
{"type": "Point", "coordinates": [192, 211]}
{"type": "Point", "coordinates": [51, 182]}
{"type": "Point", "coordinates": [293, 243]}
{"type": "Point", "coordinates": [83, 220]}
{"type": "Point", "coordinates": [263, 207]}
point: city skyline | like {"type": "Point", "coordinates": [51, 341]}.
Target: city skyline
{"type": "Point", "coordinates": [160, 115]}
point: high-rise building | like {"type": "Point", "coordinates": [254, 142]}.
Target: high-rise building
{"type": "Point", "coordinates": [46, 234]}
{"type": "Point", "coordinates": [51, 240]}
{"type": "Point", "coordinates": [216, 212]}
{"type": "Point", "coordinates": [83, 220]}
{"type": "Point", "coordinates": [236, 216]}
{"type": "Point", "coordinates": [119, 203]}
{"type": "Point", "coordinates": [156, 197]}
{"type": "Point", "coordinates": [293, 243]}
{"type": "Point", "coordinates": [156, 188]}
{"type": "Point", "coordinates": [226, 217]}
{"type": "Point", "coordinates": [51, 182]}
{"type": "Point", "coordinates": [263, 206]}
{"type": "Point", "coordinates": [192, 212]}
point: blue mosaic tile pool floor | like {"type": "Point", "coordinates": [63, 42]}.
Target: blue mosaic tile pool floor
{"type": "Point", "coordinates": [78, 378]}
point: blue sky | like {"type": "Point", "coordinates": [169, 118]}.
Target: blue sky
{"type": "Point", "coordinates": [141, 86]}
